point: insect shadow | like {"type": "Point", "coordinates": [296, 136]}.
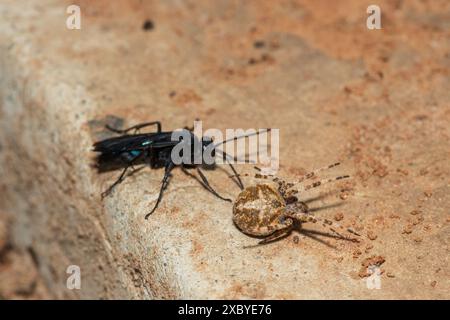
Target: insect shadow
{"type": "Point", "coordinates": [310, 233]}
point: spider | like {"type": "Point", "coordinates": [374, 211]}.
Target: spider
{"type": "Point", "coordinates": [263, 210]}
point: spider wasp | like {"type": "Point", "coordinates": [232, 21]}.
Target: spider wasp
{"type": "Point", "coordinates": [155, 149]}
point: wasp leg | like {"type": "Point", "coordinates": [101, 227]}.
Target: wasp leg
{"type": "Point", "coordinates": [186, 172]}
{"type": "Point", "coordinates": [164, 183]}
{"type": "Point", "coordinates": [239, 181]}
{"type": "Point", "coordinates": [236, 175]}
{"type": "Point", "coordinates": [208, 186]}
{"type": "Point", "coordinates": [121, 177]}
{"type": "Point", "coordinates": [191, 128]}
{"type": "Point", "coordinates": [119, 180]}
{"type": "Point", "coordinates": [136, 127]}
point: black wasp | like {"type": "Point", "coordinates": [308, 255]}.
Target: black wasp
{"type": "Point", "coordinates": [155, 149]}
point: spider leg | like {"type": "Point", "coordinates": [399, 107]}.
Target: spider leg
{"type": "Point", "coordinates": [313, 173]}
{"type": "Point", "coordinates": [283, 186]}
{"type": "Point", "coordinates": [164, 183]}
{"type": "Point", "coordinates": [208, 186]}
{"type": "Point", "coordinates": [267, 176]}
{"type": "Point", "coordinates": [309, 175]}
{"type": "Point", "coordinates": [305, 217]}
{"type": "Point", "coordinates": [277, 235]}
{"type": "Point", "coordinates": [322, 182]}
{"type": "Point", "coordinates": [136, 127]}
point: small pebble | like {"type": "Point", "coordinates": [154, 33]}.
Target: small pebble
{"type": "Point", "coordinates": [343, 195]}
{"type": "Point", "coordinates": [356, 253]}
{"type": "Point", "coordinates": [417, 221]}
{"type": "Point", "coordinates": [339, 216]}
{"type": "Point", "coordinates": [148, 25]}
{"type": "Point", "coordinates": [259, 44]}
{"type": "Point", "coordinates": [252, 61]}
{"type": "Point", "coordinates": [407, 229]}
{"type": "Point", "coordinates": [371, 235]}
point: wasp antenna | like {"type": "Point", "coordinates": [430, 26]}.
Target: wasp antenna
{"type": "Point", "coordinates": [226, 157]}
{"type": "Point", "coordinates": [241, 137]}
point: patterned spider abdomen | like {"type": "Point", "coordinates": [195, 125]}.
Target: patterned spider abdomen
{"type": "Point", "coordinates": [258, 210]}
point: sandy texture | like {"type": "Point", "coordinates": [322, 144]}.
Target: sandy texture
{"type": "Point", "coordinates": [379, 101]}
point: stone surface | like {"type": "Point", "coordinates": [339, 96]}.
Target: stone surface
{"type": "Point", "coordinates": [377, 100]}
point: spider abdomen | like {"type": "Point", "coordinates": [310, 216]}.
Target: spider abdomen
{"type": "Point", "coordinates": [258, 210]}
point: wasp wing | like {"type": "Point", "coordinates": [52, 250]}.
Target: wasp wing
{"type": "Point", "coordinates": [127, 143]}
{"type": "Point", "coordinates": [121, 144]}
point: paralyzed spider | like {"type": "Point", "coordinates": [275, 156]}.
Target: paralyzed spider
{"type": "Point", "coordinates": [263, 210]}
